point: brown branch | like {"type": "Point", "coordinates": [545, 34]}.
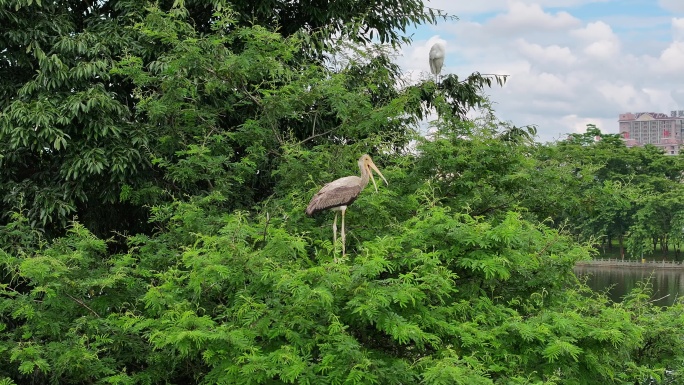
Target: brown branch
{"type": "Point", "coordinates": [658, 299]}
{"type": "Point", "coordinates": [78, 301]}
{"type": "Point", "coordinates": [317, 135]}
{"type": "Point", "coordinates": [484, 76]}
{"type": "Point", "coordinates": [249, 95]}
{"type": "Point", "coordinates": [268, 220]}
{"type": "Point", "coordinates": [548, 244]}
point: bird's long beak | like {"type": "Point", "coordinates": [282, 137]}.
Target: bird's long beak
{"type": "Point", "coordinates": [374, 168]}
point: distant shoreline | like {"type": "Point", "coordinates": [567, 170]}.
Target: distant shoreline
{"type": "Point", "coordinates": [631, 263]}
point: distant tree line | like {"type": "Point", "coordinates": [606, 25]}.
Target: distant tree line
{"type": "Point", "coordinates": [632, 195]}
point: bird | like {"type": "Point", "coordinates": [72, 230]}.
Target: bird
{"type": "Point", "coordinates": [340, 193]}
{"type": "Point", "coordinates": [436, 58]}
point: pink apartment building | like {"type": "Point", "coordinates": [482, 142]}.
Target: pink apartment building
{"type": "Point", "coordinates": [660, 130]}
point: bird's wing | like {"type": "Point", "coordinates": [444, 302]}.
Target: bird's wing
{"type": "Point", "coordinates": [436, 65]}
{"type": "Point", "coordinates": [337, 193]}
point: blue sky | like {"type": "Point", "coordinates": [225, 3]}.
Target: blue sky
{"type": "Point", "coordinates": [571, 62]}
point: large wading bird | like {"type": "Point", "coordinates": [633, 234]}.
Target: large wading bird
{"type": "Point", "coordinates": [340, 193]}
{"type": "Point", "coordinates": [437, 59]}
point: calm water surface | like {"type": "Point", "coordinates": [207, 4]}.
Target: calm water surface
{"type": "Point", "coordinates": [668, 283]}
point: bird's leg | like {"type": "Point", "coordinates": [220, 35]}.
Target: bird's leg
{"type": "Point", "coordinates": [343, 238]}
{"type": "Point", "coordinates": [335, 230]}
{"type": "Point", "coordinates": [335, 237]}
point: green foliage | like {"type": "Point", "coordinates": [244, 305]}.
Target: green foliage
{"type": "Point", "coordinates": [384, 20]}
{"type": "Point", "coordinates": [109, 108]}
{"type": "Point", "coordinates": [156, 160]}
{"type": "Point", "coordinates": [227, 298]}
{"type": "Point", "coordinates": [605, 191]}
{"type": "Point", "coordinates": [481, 174]}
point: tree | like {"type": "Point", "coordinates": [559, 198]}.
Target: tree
{"type": "Point", "coordinates": [616, 189]}
{"type": "Point", "coordinates": [65, 133]}
{"type": "Point", "coordinates": [117, 106]}
{"type": "Point", "coordinates": [217, 276]}
{"type": "Point", "coordinates": [438, 297]}
{"type": "Point", "coordinates": [657, 218]}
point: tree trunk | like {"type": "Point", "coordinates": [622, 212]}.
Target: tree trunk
{"type": "Point", "coordinates": [622, 246]}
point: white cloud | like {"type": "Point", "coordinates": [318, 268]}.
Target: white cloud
{"type": "Point", "coordinates": [524, 17]}
{"type": "Point", "coordinates": [658, 98]}
{"type": "Point", "coordinates": [678, 97]}
{"type": "Point", "coordinates": [678, 28]}
{"type": "Point", "coordinates": [564, 72]}
{"type": "Point", "coordinates": [623, 95]}
{"type": "Point", "coordinates": [552, 54]}
{"type": "Point", "coordinates": [676, 6]}
{"type": "Point", "coordinates": [672, 59]}
{"type": "Point", "coordinates": [601, 42]}
{"type": "Point", "coordinates": [479, 7]}
{"type": "Point", "coordinates": [595, 31]}
{"type": "Point", "coordinates": [578, 124]}
{"type": "Point", "coordinates": [542, 85]}
{"type": "Point", "coordinates": [467, 7]}
{"type": "Point", "coordinates": [604, 49]}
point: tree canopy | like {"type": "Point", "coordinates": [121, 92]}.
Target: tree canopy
{"type": "Point", "coordinates": [156, 160]}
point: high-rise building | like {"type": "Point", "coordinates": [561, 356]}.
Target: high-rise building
{"type": "Point", "coordinates": [658, 129]}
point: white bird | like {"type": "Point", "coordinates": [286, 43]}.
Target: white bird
{"type": "Point", "coordinates": [437, 53]}
{"type": "Point", "coordinates": [340, 193]}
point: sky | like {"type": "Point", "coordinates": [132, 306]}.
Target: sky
{"type": "Point", "coordinates": [571, 62]}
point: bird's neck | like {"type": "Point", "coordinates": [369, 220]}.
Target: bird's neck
{"type": "Point", "coordinates": [365, 175]}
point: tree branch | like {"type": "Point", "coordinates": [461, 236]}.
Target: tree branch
{"type": "Point", "coordinates": [317, 135]}
{"type": "Point", "coordinates": [78, 301]}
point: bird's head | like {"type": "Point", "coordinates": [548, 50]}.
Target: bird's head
{"type": "Point", "coordinates": [367, 163]}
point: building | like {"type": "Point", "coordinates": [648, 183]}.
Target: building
{"type": "Point", "coordinates": [658, 129]}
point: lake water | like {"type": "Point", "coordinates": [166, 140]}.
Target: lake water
{"type": "Point", "coordinates": [667, 283]}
